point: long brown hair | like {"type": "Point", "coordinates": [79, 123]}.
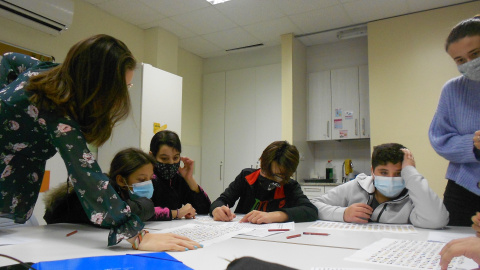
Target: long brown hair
{"type": "Point", "coordinates": [89, 86]}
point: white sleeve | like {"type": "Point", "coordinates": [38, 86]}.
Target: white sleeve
{"type": "Point", "coordinates": [332, 205]}
{"type": "Point", "coordinates": [428, 209]}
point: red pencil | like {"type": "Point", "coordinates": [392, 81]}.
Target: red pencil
{"type": "Point", "coordinates": [72, 233]}
{"type": "Point", "coordinates": [278, 230]}
{"type": "Point", "coordinates": [293, 236]}
{"type": "Point", "coordinates": [316, 233]}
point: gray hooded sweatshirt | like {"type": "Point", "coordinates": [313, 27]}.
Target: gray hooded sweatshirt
{"type": "Point", "coordinates": [419, 206]}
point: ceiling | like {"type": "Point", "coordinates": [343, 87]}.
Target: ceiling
{"type": "Point", "coordinates": [209, 31]}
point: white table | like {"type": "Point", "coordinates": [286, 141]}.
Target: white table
{"type": "Point", "coordinates": [50, 243]}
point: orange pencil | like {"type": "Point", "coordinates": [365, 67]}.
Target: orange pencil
{"type": "Point", "coordinates": [293, 236]}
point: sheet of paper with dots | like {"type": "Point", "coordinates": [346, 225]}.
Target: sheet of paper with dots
{"type": "Point", "coordinates": [408, 254]}
{"type": "Point", "coordinates": [369, 227]}
{"type": "Point", "coordinates": [208, 234]}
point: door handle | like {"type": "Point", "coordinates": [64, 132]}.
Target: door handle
{"type": "Point", "coordinates": [328, 129]}
{"type": "Point", "coordinates": [356, 127]}
{"type": "Point", "coordinates": [221, 170]}
{"type": "Point", "coordinates": [363, 126]}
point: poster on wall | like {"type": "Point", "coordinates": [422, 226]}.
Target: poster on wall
{"type": "Point", "coordinates": [337, 123]}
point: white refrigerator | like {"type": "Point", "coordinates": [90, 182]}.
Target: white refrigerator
{"type": "Point", "coordinates": [156, 97]}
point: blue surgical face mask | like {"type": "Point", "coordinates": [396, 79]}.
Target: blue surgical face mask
{"type": "Point", "coordinates": [143, 189]}
{"type": "Point", "coordinates": [390, 187]}
{"type": "Point", "coordinates": [471, 69]}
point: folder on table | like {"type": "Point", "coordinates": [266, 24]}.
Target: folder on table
{"type": "Point", "coordinates": [144, 261]}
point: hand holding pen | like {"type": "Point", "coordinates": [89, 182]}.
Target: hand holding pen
{"type": "Point", "coordinates": [223, 213]}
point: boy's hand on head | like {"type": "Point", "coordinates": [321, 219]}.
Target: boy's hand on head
{"type": "Point", "coordinates": [408, 159]}
{"type": "Point", "coordinates": [223, 213]}
{"type": "Point", "coordinates": [357, 213]}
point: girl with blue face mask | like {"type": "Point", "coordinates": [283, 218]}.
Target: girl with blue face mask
{"type": "Point", "coordinates": [455, 129]}
{"type": "Point", "coordinates": [175, 187]}
{"type": "Point", "coordinates": [131, 171]}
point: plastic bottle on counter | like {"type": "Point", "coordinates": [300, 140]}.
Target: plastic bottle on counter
{"type": "Point", "coordinates": [329, 170]}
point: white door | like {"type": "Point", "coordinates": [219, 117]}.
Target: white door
{"type": "Point", "coordinates": [345, 103]}
{"type": "Point", "coordinates": [363, 90]}
{"type": "Point", "coordinates": [239, 122]}
{"type": "Point", "coordinates": [319, 102]}
{"type": "Point", "coordinates": [213, 134]}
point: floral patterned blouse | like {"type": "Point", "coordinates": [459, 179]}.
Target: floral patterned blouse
{"type": "Point", "coordinates": [29, 137]}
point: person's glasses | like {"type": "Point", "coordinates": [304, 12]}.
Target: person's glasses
{"type": "Point", "coordinates": [273, 185]}
{"type": "Point", "coordinates": [129, 85]}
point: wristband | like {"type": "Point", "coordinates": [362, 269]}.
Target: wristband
{"type": "Point", "coordinates": [178, 211]}
{"type": "Point", "coordinates": [139, 239]}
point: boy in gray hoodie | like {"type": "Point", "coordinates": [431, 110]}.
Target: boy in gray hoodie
{"type": "Point", "coordinates": [395, 193]}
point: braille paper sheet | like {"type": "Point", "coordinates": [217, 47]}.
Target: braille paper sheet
{"type": "Point", "coordinates": [407, 254]}
{"type": "Point", "coordinates": [369, 227]}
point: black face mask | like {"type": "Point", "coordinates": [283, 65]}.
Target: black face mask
{"type": "Point", "coordinates": [165, 170]}
{"type": "Point", "coordinates": [268, 184]}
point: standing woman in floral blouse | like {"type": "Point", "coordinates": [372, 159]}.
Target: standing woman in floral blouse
{"type": "Point", "coordinates": [47, 108]}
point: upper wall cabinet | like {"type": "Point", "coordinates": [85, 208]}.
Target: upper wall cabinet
{"type": "Point", "coordinates": [338, 104]}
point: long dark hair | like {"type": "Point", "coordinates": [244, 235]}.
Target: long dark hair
{"type": "Point", "coordinates": [89, 86]}
{"type": "Point", "coordinates": [469, 27]}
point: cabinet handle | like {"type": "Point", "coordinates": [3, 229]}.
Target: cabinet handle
{"type": "Point", "coordinates": [356, 127]}
{"type": "Point", "coordinates": [363, 126]}
{"type": "Point", "coordinates": [328, 129]}
{"type": "Point", "coordinates": [220, 171]}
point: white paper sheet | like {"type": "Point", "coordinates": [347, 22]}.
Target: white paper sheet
{"type": "Point", "coordinates": [207, 234]}
{"type": "Point", "coordinates": [408, 254]}
{"type": "Point", "coordinates": [370, 227]}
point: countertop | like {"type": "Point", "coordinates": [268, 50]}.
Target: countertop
{"type": "Point", "coordinates": [302, 183]}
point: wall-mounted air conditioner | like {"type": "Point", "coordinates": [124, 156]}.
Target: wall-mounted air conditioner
{"type": "Point", "coordinates": [50, 16]}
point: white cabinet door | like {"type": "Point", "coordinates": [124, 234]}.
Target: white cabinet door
{"type": "Point", "coordinates": [345, 103]}
{"type": "Point", "coordinates": [313, 191]}
{"type": "Point", "coordinates": [268, 104]}
{"type": "Point", "coordinates": [319, 106]}
{"type": "Point", "coordinates": [364, 101]}
{"type": "Point", "coordinates": [239, 122]}
{"type": "Point", "coordinates": [213, 134]}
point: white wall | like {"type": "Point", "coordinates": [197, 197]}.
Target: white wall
{"type": "Point", "coordinates": [408, 66]}
{"type": "Point", "coordinates": [243, 59]}
{"type": "Point", "coordinates": [341, 54]}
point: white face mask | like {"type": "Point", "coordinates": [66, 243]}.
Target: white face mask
{"type": "Point", "coordinates": [471, 69]}
{"type": "Point", "coordinates": [390, 187]}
